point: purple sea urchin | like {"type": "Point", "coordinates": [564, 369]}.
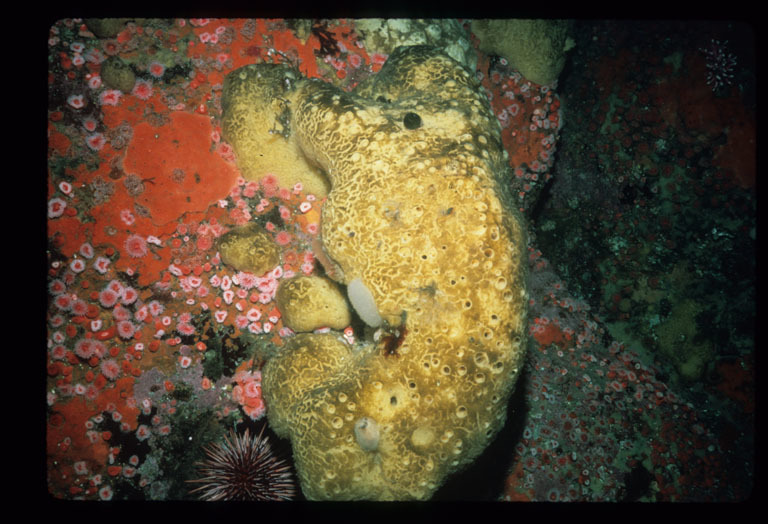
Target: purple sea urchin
{"type": "Point", "coordinates": [244, 468]}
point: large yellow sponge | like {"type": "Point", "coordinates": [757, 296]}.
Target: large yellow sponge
{"type": "Point", "coordinates": [418, 221]}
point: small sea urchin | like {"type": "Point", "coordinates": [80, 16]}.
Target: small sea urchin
{"type": "Point", "coordinates": [244, 468]}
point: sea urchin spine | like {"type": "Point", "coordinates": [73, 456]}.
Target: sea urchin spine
{"type": "Point", "coordinates": [244, 468]}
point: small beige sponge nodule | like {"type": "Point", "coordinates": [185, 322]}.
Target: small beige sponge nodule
{"type": "Point", "coordinates": [249, 248]}
{"type": "Point", "coordinates": [536, 48]}
{"type": "Point", "coordinates": [311, 302]}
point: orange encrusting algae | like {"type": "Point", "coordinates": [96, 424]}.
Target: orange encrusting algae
{"type": "Point", "coordinates": [58, 143]}
{"type": "Point", "coordinates": [66, 435]}
{"type": "Point", "coordinates": [177, 159]}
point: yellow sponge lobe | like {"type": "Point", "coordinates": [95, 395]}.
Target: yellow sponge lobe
{"type": "Point", "coordinates": [257, 124]}
{"type": "Point", "coordinates": [419, 213]}
{"type": "Point", "coordinates": [311, 302]}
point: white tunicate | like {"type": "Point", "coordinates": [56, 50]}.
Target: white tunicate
{"type": "Point", "coordinates": [362, 300]}
{"type": "Point", "coordinates": [367, 433]}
